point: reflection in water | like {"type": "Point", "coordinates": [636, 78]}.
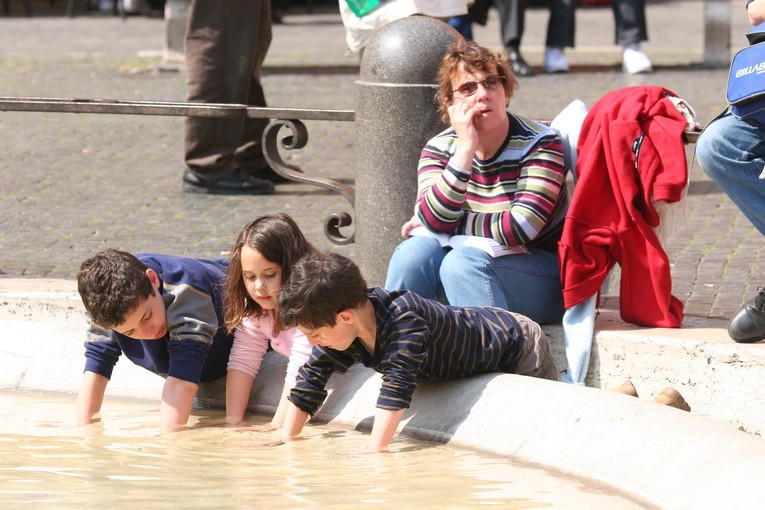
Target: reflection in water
{"type": "Point", "coordinates": [122, 462]}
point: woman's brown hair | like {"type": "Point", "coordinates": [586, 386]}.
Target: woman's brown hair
{"type": "Point", "coordinates": [474, 58]}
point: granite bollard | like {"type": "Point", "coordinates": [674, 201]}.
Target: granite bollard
{"type": "Point", "coordinates": [396, 113]}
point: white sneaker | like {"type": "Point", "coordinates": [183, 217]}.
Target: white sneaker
{"type": "Point", "coordinates": [635, 61]}
{"type": "Point", "coordinates": [555, 60]}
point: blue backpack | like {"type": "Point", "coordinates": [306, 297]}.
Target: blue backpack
{"type": "Point", "coordinates": [746, 81]}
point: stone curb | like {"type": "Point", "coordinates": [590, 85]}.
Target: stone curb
{"type": "Point", "coordinates": [658, 456]}
{"type": "Point", "coordinates": [720, 379]}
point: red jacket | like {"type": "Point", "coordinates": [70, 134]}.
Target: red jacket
{"type": "Point", "coordinates": [630, 152]}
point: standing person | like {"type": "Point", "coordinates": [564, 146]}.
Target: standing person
{"type": "Point", "coordinates": [630, 31]}
{"type": "Point", "coordinates": [493, 176]}
{"type": "Point", "coordinates": [512, 15]}
{"type": "Point", "coordinates": [226, 43]}
{"type": "Point", "coordinates": [165, 314]}
{"type": "Point", "coordinates": [359, 29]}
{"type": "Point", "coordinates": [732, 152]}
{"type": "Point", "coordinates": [262, 258]}
{"type": "Point", "coordinates": [399, 334]}
{"type": "Point", "coordinates": [478, 12]}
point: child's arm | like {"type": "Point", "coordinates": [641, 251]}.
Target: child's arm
{"type": "Point", "coordinates": [90, 397]}
{"type": "Point", "coordinates": [238, 387]}
{"type": "Point", "coordinates": [310, 388]}
{"type": "Point", "coordinates": [299, 353]}
{"type": "Point", "coordinates": [281, 411]}
{"type": "Point", "coordinates": [294, 419]}
{"type": "Point", "coordinates": [386, 423]}
{"type": "Point", "coordinates": [247, 352]}
{"type": "Point", "coordinates": [175, 408]}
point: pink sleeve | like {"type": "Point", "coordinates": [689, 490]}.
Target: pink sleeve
{"type": "Point", "coordinates": [250, 345]}
{"type": "Point", "coordinates": [300, 351]}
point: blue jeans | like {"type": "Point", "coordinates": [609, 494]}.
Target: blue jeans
{"type": "Point", "coordinates": [732, 153]}
{"type": "Point", "coordinates": [462, 25]}
{"type": "Point", "coordinates": [528, 284]}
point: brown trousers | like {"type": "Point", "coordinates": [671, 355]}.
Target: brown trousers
{"type": "Point", "coordinates": [226, 44]}
{"type": "Point", "coordinates": [535, 358]}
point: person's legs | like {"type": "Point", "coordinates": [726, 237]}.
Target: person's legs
{"type": "Point", "coordinates": [561, 26]}
{"type": "Point", "coordinates": [512, 15]}
{"type": "Point", "coordinates": [528, 284]}
{"type": "Point", "coordinates": [629, 20]}
{"type": "Point", "coordinates": [249, 154]}
{"type": "Point", "coordinates": [225, 44]}
{"type": "Point", "coordinates": [560, 34]}
{"type": "Point", "coordinates": [415, 265]}
{"type": "Point", "coordinates": [535, 357]}
{"type": "Point", "coordinates": [732, 153]}
{"type": "Point", "coordinates": [630, 30]}
{"type": "Point", "coordinates": [463, 25]}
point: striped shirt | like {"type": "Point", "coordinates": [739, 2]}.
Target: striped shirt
{"type": "Point", "coordinates": [517, 197]}
{"type": "Point", "coordinates": [416, 339]}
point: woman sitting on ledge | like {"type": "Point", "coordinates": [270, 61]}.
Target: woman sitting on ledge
{"type": "Point", "coordinates": [491, 198]}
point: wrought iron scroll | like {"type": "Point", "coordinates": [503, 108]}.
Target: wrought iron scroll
{"type": "Point", "coordinates": [297, 139]}
{"type": "Point", "coordinates": [282, 117]}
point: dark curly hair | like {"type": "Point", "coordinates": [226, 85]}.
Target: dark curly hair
{"type": "Point", "coordinates": [321, 285]}
{"type": "Point", "coordinates": [112, 283]}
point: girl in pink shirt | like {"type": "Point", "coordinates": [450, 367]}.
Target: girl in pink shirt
{"type": "Point", "coordinates": [262, 259]}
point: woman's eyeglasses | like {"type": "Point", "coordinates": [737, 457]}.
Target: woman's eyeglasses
{"type": "Point", "coordinates": [469, 88]}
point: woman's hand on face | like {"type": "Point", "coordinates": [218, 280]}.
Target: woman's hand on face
{"type": "Point", "coordinates": [462, 118]}
{"type": "Point", "coordinates": [409, 225]}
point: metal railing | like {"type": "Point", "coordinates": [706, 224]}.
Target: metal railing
{"type": "Point", "coordinates": [290, 118]}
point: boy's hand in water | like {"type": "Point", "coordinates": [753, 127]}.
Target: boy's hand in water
{"type": "Point", "coordinates": [263, 427]}
{"type": "Point", "coordinates": [269, 443]}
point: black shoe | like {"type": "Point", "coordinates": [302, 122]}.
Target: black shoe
{"type": "Point", "coordinates": [748, 323]}
{"type": "Point", "coordinates": [232, 184]}
{"type": "Point", "coordinates": [518, 65]}
{"type": "Point", "coordinates": [268, 174]}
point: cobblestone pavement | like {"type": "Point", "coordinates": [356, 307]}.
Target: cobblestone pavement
{"type": "Point", "coordinates": [75, 183]}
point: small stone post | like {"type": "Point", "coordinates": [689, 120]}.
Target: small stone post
{"type": "Point", "coordinates": [717, 31]}
{"type": "Point", "coordinates": [396, 113]}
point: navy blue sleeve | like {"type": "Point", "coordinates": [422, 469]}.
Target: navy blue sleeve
{"type": "Point", "coordinates": [101, 351]}
{"type": "Point", "coordinates": [309, 391]}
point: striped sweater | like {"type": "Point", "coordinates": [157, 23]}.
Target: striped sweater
{"type": "Point", "coordinates": [416, 339]}
{"type": "Point", "coordinates": [517, 197]}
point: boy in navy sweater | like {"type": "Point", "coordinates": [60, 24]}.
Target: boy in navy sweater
{"type": "Point", "coordinates": [165, 314]}
{"type": "Point", "coordinates": [399, 334]}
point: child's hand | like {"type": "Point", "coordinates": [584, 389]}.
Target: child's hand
{"type": "Point", "coordinates": [272, 442]}
{"type": "Point", "coordinates": [371, 447]}
{"type": "Point", "coordinates": [266, 427]}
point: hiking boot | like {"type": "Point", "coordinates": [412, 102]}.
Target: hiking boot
{"type": "Point", "coordinates": [672, 398]}
{"type": "Point", "coordinates": [748, 324]}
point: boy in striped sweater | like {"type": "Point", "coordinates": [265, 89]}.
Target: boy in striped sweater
{"type": "Point", "coordinates": [399, 334]}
